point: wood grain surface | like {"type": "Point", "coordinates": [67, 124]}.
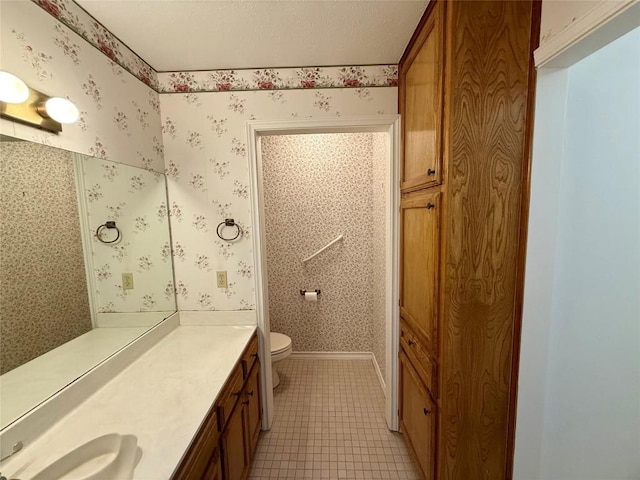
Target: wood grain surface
{"type": "Point", "coordinates": [421, 105]}
{"type": "Point", "coordinates": [419, 259]}
{"type": "Point", "coordinates": [488, 86]}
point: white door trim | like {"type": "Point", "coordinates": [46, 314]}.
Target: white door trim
{"type": "Point", "coordinates": [379, 123]}
{"type": "Point", "coordinates": [87, 239]}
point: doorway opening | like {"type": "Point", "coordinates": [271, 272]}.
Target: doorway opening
{"type": "Point", "coordinates": [313, 185]}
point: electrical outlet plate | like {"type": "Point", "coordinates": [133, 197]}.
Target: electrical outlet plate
{"type": "Point", "coordinates": [221, 278]}
{"type": "Point", "coordinates": [127, 281]}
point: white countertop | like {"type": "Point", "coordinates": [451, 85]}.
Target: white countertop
{"type": "Point", "coordinates": [162, 398]}
{"type": "Point", "coordinates": [29, 384]}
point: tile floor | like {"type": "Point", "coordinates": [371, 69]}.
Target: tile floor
{"type": "Point", "coordinates": [329, 423]}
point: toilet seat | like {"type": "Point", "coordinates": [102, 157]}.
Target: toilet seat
{"type": "Point", "coordinates": [279, 343]}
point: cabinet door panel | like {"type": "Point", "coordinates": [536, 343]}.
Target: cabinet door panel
{"type": "Point", "coordinates": [235, 457]}
{"type": "Point", "coordinates": [214, 470]}
{"type": "Point", "coordinates": [420, 247]}
{"type": "Point", "coordinates": [421, 106]}
{"type": "Point", "coordinates": [417, 418]}
{"type": "Point", "coordinates": [253, 408]}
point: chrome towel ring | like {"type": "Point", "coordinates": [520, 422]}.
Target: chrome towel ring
{"type": "Point", "coordinates": [229, 222]}
{"type": "Point", "coordinates": [109, 225]}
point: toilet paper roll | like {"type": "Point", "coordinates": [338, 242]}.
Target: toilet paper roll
{"type": "Point", "coordinates": [310, 297]}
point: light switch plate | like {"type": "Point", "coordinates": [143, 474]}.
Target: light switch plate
{"type": "Point", "coordinates": [221, 279]}
{"type": "Point", "coordinates": [127, 281]}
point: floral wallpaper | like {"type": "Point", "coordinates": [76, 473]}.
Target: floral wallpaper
{"type": "Point", "coordinates": [70, 14]}
{"type": "Point", "coordinates": [279, 79]}
{"type": "Point", "coordinates": [381, 151]}
{"type": "Point", "coordinates": [207, 171]}
{"type": "Point", "coordinates": [44, 292]}
{"type": "Point", "coordinates": [136, 200]}
{"type": "Point", "coordinates": [201, 131]}
{"type": "Point", "coordinates": [317, 187]}
{"type": "Point", "coordinates": [119, 114]}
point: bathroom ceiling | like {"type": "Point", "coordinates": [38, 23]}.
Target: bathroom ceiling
{"type": "Point", "coordinates": [176, 35]}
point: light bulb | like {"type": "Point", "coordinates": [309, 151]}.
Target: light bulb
{"type": "Point", "coordinates": [12, 89]}
{"type": "Point", "coordinates": [61, 110]}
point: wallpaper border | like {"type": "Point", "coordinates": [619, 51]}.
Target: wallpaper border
{"type": "Point", "coordinates": [75, 17]}
{"type": "Point", "coordinates": [290, 78]}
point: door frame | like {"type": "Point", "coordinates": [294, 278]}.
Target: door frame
{"type": "Point", "coordinates": [389, 124]}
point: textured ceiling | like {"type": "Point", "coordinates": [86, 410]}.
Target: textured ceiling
{"type": "Point", "coordinates": [174, 35]}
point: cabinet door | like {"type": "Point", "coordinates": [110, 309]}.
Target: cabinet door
{"type": "Point", "coordinates": [253, 409]}
{"type": "Point", "coordinates": [417, 418]}
{"type": "Point", "coordinates": [235, 455]}
{"type": "Point", "coordinates": [419, 256]}
{"type": "Point", "coordinates": [421, 104]}
{"type": "Point", "coordinates": [214, 470]}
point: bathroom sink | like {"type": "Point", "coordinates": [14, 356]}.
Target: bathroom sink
{"type": "Point", "coordinates": [111, 456]}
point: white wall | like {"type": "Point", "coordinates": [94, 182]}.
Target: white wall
{"type": "Point", "coordinates": [579, 390]}
{"type": "Point", "coordinates": [551, 101]}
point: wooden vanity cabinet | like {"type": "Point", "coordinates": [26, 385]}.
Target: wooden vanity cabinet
{"type": "Point", "coordinates": [225, 445]}
{"type": "Point", "coordinates": [253, 409]}
{"type": "Point", "coordinates": [242, 431]}
{"type": "Point", "coordinates": [466, 95]}
{"type": "Point", "coordinates": [214, 470]}
{"type": "Point", "coordinates": [235, 455]}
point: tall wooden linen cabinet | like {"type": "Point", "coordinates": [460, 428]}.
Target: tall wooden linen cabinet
{"type": "Point", "coordinates": [466, 91]}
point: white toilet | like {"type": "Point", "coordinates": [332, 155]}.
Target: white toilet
{"type": "Point", "coordinates": [280, 349]}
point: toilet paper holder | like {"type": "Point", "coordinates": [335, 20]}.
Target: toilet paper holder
{"type": "Point", "coordinates": [302, 292]}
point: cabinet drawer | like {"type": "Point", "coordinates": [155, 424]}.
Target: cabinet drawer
{"type": "Point", "coordinates": [229, 397]}
{"type": "Point", "coordinates": [419, 356]}
{"type": "Point", "coordinates": [249, 357]}
{"type": "Point", "coordinates": [417, 418]}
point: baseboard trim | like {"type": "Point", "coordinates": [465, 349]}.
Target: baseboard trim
{"type": "Point", "coordinates": [379, 372]}
{"type": "Point", "coordinates": [344, 356]}
{"type": "Point", "coordinates": [332, 355]}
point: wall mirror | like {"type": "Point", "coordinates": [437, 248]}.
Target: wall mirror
{"type": "Point", "coordinates": [73, 289]}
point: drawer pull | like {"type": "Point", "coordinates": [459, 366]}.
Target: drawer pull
{"type": "Point", "coordinates": [236, 394]}
{"type": "Point", "coordinates": [431, 172]}
{"type": "Point", "coordinates": [246, 402]}
{"type": "Point", "coordinates": [426, 412]}
{"type": "Point", "coordinates": [430, 206]}
{"type": "Point", "coordinates": [411, 343]}
{"type": "Point", "coordinates": [250, 393]}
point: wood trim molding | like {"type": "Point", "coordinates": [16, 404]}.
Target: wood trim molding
{"type": "Point", "coordinates": [522, 246]}
{"type": "Point", "coordinates": [559, 50]}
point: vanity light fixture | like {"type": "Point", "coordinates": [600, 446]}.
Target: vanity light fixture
{"type": "Point", "coordinates": [12, 89]}
{"type": "Point", "coordinates": [26, 105]}
{"type": "Point", "coordinates": [59, 109]}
